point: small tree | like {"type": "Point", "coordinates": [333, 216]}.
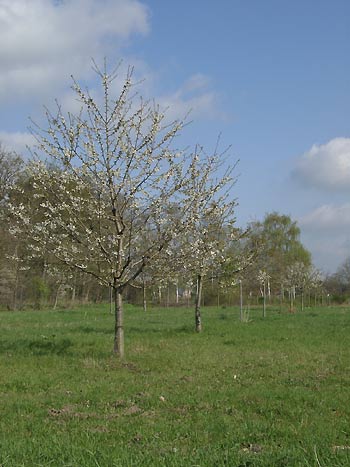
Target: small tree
{"type": "Point", "coordinates": [300, 277]}
{"type": "Point", "coordinates": [315, 281]}
{"type": "Point", "coordinates": [263, 279]}
{"type": "Point", "coordinates": [106, 178]}
{"type": "Point", "coordinates": [204, 246]}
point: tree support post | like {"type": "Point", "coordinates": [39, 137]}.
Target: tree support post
{"type": "Point", "coordinates": [119, 323]}
{"type": "Point", "coordinates": [198, 318]}
{"type": "Point", "coordinates": [240, 300]}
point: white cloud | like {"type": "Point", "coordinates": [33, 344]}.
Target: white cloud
{"type": "Point", "coordinates": [16, 141]}
{"type": "Point", "coordinates": [328, 253]}
{"type": "Point", "coordinates": [196, 82]}
{"type": "Point", "coordinates": [194, 97]}
{"type": "Point", "coordinates": [326, 166]}
{"type": "Point", "coordinates": [325, 232]}
{"type": "Point", "coordinates": [327, 217]}
{"type": "Point", "coordinates": [44, 41]}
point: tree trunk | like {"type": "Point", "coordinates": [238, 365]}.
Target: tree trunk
{"type": "Point", "coordinates": [264, 300]}
{"type": "Point", "coordinates": [144, 298]}
{"type": "Point", "coordinates": [119, 324]}
{"type": "Point", "coordinates": [198, 319]}
{"type": "Point", "coordinates": [58, 289]}
{"type": "Point", "coordinates": [111, 299]}
{"type": "Point", "coordinates": [168, 295]}
{"type": "Point", "coordinates": [281, 299]}
{"type": "Point", "coordinates": [15, 290]}
{"type": "Point", "coordinates": [240, 300]}
{"type": "Point", "coordinates": [302, 300]}
{"type": "Point", "coordinates": [87, 294]}
{"type": "Point", "coordinates": [74, 287]}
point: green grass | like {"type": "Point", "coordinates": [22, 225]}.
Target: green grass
{"type": "Point", "coordinates": [273, 392]}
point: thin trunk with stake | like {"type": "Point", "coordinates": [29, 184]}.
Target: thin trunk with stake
{"type": "Point", "coordinates": [302, 299]}
{"type": "Point", "coordinates": [198, 319]}
{"type": "Point", "coordinates": [119, 322]}
{"type": "Point", "coordinates": [144, 297]}
{"type": "Point", "coordinates": [240, 300]}
{"type": "Point", "coordinates": [264, 299]}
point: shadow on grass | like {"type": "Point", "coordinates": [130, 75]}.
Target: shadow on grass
{"type": "Point", "coordinates": [230, 342]}
{"type": "Point", "coordinates": [91, 330]}
{"type": "Point", "coordinates": [174, 331]}
{"type": "Point", "coordinates": [37, 347]}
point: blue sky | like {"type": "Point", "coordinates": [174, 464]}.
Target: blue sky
{"type": "Point", "coordinates": [272, 76]}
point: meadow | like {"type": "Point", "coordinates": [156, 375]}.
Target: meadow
{"type": "Point", "coordinates": [268, 392]}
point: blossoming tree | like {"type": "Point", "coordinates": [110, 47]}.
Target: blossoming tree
{"type": "Point", "coordinates": [106, 183]}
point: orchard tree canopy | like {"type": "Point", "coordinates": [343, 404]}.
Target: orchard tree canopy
{"type": "Point", "coordinates": [10, 168]}
{"type": "Point", "coordinates": [106, 182]}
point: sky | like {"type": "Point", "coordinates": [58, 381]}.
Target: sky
{"type": "Point", "coordinates": [271, 77]}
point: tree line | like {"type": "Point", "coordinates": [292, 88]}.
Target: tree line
{"type": "Point", "coordinates": [108, 208]}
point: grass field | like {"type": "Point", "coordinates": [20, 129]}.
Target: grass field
{"type": "Point", "coordinates": [273, 392]}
